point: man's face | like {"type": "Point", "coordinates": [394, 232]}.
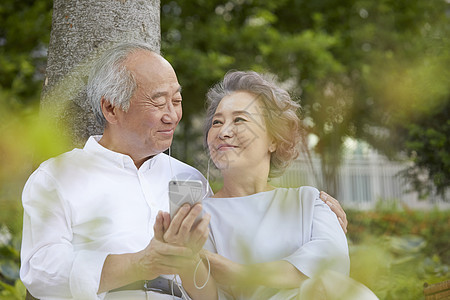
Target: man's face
{"type": "Point", "coordinates": [147, 128]}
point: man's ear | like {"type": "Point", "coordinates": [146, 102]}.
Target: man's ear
{"type": "Point", "coordinates": [109, 111]}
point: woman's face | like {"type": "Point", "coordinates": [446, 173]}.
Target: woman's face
{"type": "Point", "coordinates": [238, 137]}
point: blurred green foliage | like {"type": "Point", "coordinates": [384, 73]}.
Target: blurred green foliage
{"type": "Point", "coordinates": [428, 145]}
{"type": "Point", "coordinates": [10, 285]}
{"type": "Point", "coordinates": [433, 226]}
{"type": "Point", "coordinates": [28, 138]}
{"type": "Point", "coordinates": [24, 36]}
{"type": "Point", "coordinates": [395, 250]}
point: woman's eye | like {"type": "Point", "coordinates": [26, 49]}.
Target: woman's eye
{"type": "Point", "coordinates": [239, 119]}
{"type": "Point", "coordinates": [216, 122]}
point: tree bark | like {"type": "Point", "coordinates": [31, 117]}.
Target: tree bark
{"type": "Point", "coordinates": [81, 29]}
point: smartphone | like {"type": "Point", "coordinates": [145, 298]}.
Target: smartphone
{"type": "Point", "coordinates": [184, 191]}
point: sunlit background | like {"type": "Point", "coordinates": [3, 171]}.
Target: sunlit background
{"type": "Point", "coordinates": [373, 81]}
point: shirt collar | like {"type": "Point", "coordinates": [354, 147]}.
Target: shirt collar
{"type": "Point", "coordinates": [123, 161]}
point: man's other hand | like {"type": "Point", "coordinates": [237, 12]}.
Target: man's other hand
{"type": "Point", "coordinates": [336, 208]}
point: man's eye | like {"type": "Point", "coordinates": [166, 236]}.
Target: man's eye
{"type": "Point", "coordinates": [239, 119]}
{"type": "Point", "coordinates": [176, 101]}
{"type": "Point", "coordinates": [158, 102]}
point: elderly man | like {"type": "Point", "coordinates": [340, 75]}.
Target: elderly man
{"type": "Point", "coordinates": [93, 223]}
{"type": "Point", "coordinates": [89, 213]}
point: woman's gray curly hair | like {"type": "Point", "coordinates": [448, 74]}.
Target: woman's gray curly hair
{"type": "Point", "coordinates": [281, 113]}
{"type": "Point", "coordinates": [110, 79]}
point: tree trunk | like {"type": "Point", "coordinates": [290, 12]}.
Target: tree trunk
{"type": "Point", "coordinates": [329, 149]}
{"type": "Point", "coordinates": [330, 171]}
{"type": "Point", "coordinates": [79, 30]}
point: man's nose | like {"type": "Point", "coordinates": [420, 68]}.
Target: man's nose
{"type": "Point", "coordinates": [170, 114]}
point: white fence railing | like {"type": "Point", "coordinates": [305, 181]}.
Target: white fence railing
{"type": "Point", "coordinates": [363, 180]}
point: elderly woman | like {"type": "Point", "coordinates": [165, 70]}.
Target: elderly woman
{"type": "Point", "coordinates": [265, 242]}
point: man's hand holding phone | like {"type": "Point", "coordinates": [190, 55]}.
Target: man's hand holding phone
{"type": "Point", "coordinates": [185, 225]}
{"type": "Point", "coordinates": [184, 229]}
{"type": "Point", "coordinates": [183, 235]}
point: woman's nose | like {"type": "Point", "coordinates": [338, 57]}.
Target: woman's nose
{"type": "Point", "coordinates": [226, 132]}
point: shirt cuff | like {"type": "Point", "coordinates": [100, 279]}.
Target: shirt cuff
{"type": "Point", "coordinates": [311, 264]}
{"type": "Point", "coordinates": [305, 269]}
{"type": "Point", "coordinates": [85, 276]}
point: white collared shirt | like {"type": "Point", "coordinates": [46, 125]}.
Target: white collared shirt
{"type": "Point", "coordinates": [85, 204]}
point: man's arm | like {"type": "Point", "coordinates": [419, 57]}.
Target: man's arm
{"type": "Point", "coordinates": [49, 263]}
{"type": "Point", "coordinates": [156, 259]}
{"type": "Point", "coordinates": [162, 258]}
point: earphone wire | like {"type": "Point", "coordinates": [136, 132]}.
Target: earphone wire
{"type": "Point", "coordinates": [180, 287]}
{"type": "Point", "coordinates": [170, 163]}
{"type": "Point", "coordinates": [207, 170]}
{"type": "Point", "coordinates": [195, 273]}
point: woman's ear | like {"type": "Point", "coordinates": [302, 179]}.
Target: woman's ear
{"type": "Point", "coordinates": [109, 111]}
{"type": "Point", "coordinates": [273, 147]}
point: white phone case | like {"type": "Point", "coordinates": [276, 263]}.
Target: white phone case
{"type": "Point", "coordinates": [184, 191]}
